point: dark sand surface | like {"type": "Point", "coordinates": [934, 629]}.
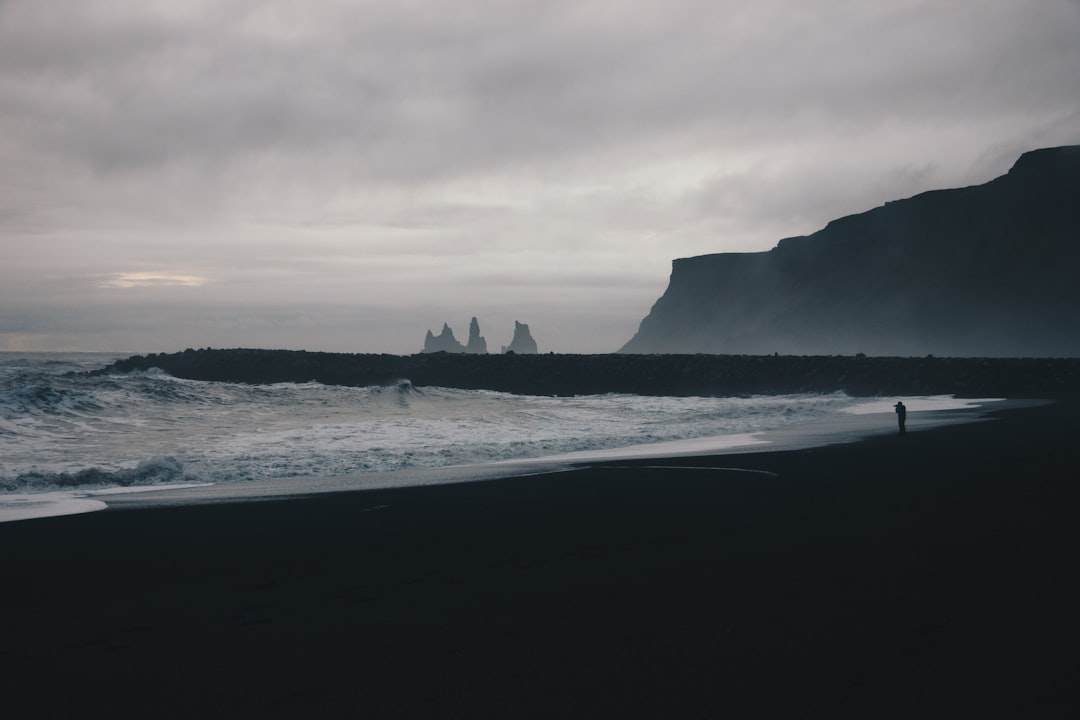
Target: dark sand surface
{"type": "Point", "coordinates": [931, 575]}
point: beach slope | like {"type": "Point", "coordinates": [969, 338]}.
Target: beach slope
{"type": "Point", "coordinates": [927, 575]}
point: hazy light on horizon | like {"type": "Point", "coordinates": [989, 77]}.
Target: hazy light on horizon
{"type": "Point", "coordinates": [126, 280]}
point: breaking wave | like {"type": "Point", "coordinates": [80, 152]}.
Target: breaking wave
{"type": "Point", "coordinates": [155, 471]}
{"type": "Point", "coordinates": [61, 428]}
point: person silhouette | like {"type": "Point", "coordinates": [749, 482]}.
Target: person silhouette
{"type": "Point", "coordinates": [901, 416]}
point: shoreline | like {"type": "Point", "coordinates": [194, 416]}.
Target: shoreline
{"type": "Point", "coordinates": [850, 425]}
{"type": "Point", "coordinates": [926, 575]}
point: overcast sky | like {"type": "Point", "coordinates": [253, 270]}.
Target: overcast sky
{"type": "Point", "coordinates": [344, 175]}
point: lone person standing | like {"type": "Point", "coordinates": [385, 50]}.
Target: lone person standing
{"type": "Point", "coordinates": [901, 416]}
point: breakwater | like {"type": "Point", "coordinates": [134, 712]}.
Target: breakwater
{"type": "Point", "coordinates": [628, 373]}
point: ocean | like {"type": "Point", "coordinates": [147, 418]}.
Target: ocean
{"type": "Point", "coordinates": [62, 430]}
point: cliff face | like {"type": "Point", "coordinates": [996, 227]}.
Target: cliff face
{"type": "Point", "coordinates": [988, 270]}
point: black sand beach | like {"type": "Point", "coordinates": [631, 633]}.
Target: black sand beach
{"type": "Point", "coordinates": [929, 575]}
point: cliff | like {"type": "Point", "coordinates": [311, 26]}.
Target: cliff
{"type": "Point", "coordinates": [987, 270]}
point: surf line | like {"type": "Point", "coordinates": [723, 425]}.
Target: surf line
{"type": "Point", "coordinates": [696, 467]}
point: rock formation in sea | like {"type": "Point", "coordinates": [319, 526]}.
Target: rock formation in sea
{"type": "Point", "coordinates": [477, 344]}
{"type": "Point", "coordinates": [987, 270]}
{"type": "Point", "coordinates": [443, 342]}
{"type": "Point", "coordinates": [446, 342]}
{"type": "Point", "coordinates": [523, 343]}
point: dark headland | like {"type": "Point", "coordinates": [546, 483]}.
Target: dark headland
{"type": "Point", "coordinates": [987, 270]}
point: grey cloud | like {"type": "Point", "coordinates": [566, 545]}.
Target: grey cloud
{"type": "Point", "coordinates": [286, 146]}
{"type": "Point", "coordinates": [405, 95]}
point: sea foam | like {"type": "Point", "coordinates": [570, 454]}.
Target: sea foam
{"type": "Point", "coordinates": [62, 429]}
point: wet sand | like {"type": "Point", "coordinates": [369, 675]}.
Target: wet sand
{"type": "Point", "coordinates": [931, 575]}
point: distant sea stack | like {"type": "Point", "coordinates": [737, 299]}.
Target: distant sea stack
{"type": "Point", "coordinates": [446, 342]}
{"type": "Point", "coordinates": [477, 344]}
{"type": "Point", "coordinates": [988, 270]}
{"type": "Point", "coordinates": [523, 343]}
{"type": "Point", "coordinates": [443, 342]}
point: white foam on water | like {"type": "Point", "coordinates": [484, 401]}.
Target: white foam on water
{"type": "Point", "coordinates": [65, 436]}
{"type": "Point", "coordinates": [65, 432]}
{"type": "Point", "coordinates": [30, 506]}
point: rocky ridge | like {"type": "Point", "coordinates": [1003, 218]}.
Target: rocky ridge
{"type": "Point", "coordinates": [707, 375]}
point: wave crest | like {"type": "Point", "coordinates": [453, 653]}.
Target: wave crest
{"type": "Point", "coordinates": [153, 471]}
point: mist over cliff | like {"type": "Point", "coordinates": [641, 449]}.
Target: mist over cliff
{"type": "Point", "coordinates": [988, 270]}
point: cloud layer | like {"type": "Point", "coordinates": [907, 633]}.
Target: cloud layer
{"type": "Point", "coordinates": [345, 175]}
